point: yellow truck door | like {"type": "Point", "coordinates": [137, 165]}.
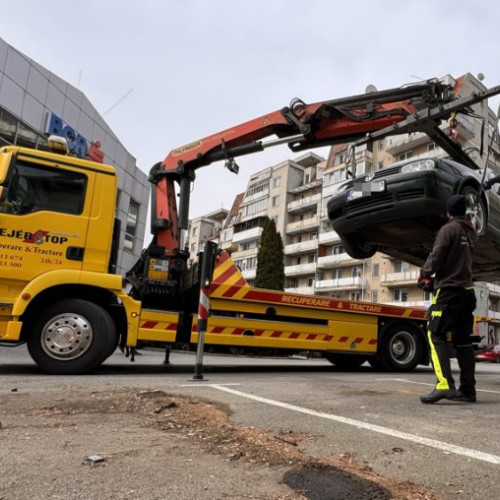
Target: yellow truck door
{"type": "Point", "coordinates": [44, 216]}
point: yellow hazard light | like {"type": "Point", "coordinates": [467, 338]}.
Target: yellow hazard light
{"type": "Point", "coordinates": [58, 144]}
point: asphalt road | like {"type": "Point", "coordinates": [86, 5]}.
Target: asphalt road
{"type": "Point", "coordinates": [451, 447]}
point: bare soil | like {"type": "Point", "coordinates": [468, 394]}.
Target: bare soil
{"type": "Point", "coordinates": [132, 444]}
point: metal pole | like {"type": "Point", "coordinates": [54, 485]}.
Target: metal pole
{"type": "Point", "coordinates": [207, 271]}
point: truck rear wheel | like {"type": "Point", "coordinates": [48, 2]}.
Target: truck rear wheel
{"type": "Point", "coordinates": [401, 349]}
{"type": "Point", "coordinates": [72, 336]}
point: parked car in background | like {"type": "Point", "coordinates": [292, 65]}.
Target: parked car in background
{"type": "Point", "coordinates": [492, 356]}
{"type": "Point", "coordinates": [399, 209]}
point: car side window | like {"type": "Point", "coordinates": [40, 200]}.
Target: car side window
{"type": "Point", "coordinates": [33, 188]}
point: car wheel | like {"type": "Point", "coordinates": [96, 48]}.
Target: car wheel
{"type": "Point", "coordinates": [72, 336]}
{"type": "Point", "coordinates": [357, 248]}
{"type": "Point", "coordinates": [476, 210]}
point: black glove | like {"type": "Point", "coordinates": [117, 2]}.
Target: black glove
{"type": "Point", "coordinates": [489, 183]}
{"type": "Point", "coordinates": [425, 284]}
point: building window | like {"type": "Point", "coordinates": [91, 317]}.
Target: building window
{"type": "Point", "coordinates": [131, 227]}
{"type": "Point", "coordinates": [194, 231]}
{"type": "Point", "coordinates": [375, 270]}
{"type": "Point", "coordinates": [356, 272]}
{"type": "Point", "coordinates": [257, 187]}
{"type": "Point", "coordinates": [311, 258]}
{"type": "Point", "coordinates": [256, 207]}
{"type": "Point", "coordinates": [338, 249]}
{"type": "Point", "coordinates": [310, 282]}
{"type": "Point", "coordinates": [400, 295]}
{"type": "Point", "coordinates": [355, 296]}
{"type": "Point", "coordinates": [339, 159]}
{"type": "Point", "coordinates": [276, 181]}
{"type": "Point", "coordinates": [405, 155]}
{"type": "Point", "coordinates": [276, 201]}
{"type": "Point", "coordinates": [431, 146]}
{"type": "Point", "coordinates": [401, 266]}
{"type": "Point", "coordinates": [336, 273]}
{"type": "Point", "coordinates": [374, 295]}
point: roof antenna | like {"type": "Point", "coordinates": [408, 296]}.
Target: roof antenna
{"type": "Point", "coordinates": [118, 102]}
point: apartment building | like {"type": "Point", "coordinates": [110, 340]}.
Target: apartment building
{"type": "Point", "coordinates": [205, 228]}
{"type": "Point", "coordinates": [300, 239]}
{"type": "Point", "coordinates": [267, 196]}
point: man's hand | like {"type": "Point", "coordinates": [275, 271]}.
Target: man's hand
{"type": "Point", "coordinates": [425, 284]}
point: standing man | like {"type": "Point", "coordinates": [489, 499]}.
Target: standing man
{"type": "Point", "coordinates": [450, 317]}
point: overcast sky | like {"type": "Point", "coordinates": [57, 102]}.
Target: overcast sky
{"type": "Point", "coordinates": [164, 73]}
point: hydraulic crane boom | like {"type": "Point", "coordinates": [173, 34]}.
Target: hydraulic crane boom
{"type": "Point", "coordinates": [359, 118]}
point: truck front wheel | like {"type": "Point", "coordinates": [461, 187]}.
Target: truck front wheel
{"type": "Point", "coordinates": [72, 336]}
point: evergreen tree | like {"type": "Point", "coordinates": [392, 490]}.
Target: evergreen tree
{"type": "Point", "coordinates": [270, 259]}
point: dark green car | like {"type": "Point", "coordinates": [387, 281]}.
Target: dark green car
{"type": "Point", "coordinates": [399, 209]}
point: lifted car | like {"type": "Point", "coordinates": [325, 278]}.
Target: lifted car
{"type": "Point", "coordinates": [398, 211]}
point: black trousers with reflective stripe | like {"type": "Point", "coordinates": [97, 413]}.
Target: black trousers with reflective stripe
{"type": "Point", "coordinates": [450, 325]}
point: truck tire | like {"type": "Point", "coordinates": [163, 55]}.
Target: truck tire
{"type": "Point", "coordinates": [345, 361]}
{"type": "Point", "coordinates": [72, 336]}
{"type": "Point", "coordinates": [401, 349]}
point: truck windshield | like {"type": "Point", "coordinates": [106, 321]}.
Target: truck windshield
{"type": "Point", "coordinates": [33, 188]}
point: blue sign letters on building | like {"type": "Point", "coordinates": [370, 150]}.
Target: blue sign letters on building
{"type": "Point", "coordinates": [77, 144]}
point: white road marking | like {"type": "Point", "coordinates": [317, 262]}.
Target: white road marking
{"type": "Point", "coordinates": [446, 447]}
{"type": "Point", "coordinates": [406, 381]}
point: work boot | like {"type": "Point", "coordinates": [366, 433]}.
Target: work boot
{"type": "Point", "coordinates": [466, 398]}
{"type": "Point", "coordinates": [438, 394]}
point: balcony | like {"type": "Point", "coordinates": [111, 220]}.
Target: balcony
{"type": "Point", "coordinates": [300, 269]}
{"type": "Point", "coordinates": [244, 254]}
{"type": "Point", "coordinates": [400, 143]}
{"type": "Point", "coordinates": [301, 247]}
{"type": "Point", "coordinates": [302, 225]}
{"type": "Point", "coordinates": [329, 237]}
{"type": "Point", "coordinates": [338, 260]}
{"type": "Point", "coordinates": [307, 202]}
{"type": "Point", "coordinates": [352, 283]}
{"type": "Point", "coordinates": [248, 235]}
{"type": "Point", "coordinates": [409, 303]}
{"type": "Point", "coordinates": [493, 289]}
{"type": "Point", "coordinates": [494, 315]}
{"type": "Point", "coordinates": [303, 290]}
{"type": "Point", "coordinates": [398, 279]}
{"type": "Point", "coordinates": [254, 197]}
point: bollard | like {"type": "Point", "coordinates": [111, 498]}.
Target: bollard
{"type": "Point", "coordinates": [207, 270]}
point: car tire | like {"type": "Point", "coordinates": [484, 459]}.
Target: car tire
{"type": "Point", "coordinates": [476, 209]}
{"type": "Point", "coordinates": [357, 248]}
